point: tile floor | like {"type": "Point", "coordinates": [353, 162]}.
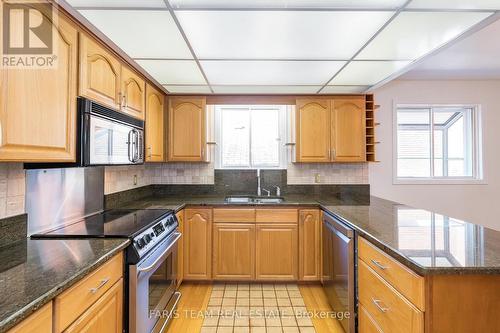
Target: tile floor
{"type": "Point", "coordinates": [256, 308]}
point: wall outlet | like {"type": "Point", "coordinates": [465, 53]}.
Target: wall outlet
{"type": "Point", "coordinates": [135, 179]}
{"type": "Point", "coordinates": [317, 178]}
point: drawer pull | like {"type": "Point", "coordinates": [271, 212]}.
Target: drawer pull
{"type": "Point", "coordinates": [101, 284]}
{"type": "Point", "coordinates": [379, 264]}
{"type": "Point", "coordinates": [377, 303]}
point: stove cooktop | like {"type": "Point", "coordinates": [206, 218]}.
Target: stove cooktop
{"type": "Point", "coordinates": [122, 223]}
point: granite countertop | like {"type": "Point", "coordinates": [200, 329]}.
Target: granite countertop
{"type": "Point", "coordinates": [34, 271]}
{"type": "Point", "coordinates": [426, 242]}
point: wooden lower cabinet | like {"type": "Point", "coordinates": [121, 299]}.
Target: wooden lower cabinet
{"type": "Point", "coordinates": [234, 251]}
{"type": "Point", "coordinates": [39, 322]}
{"type": "Point", "coordinates": [105, 315]}
{"type": "Point", "coordinates": [276, 252]}
{"type": "Point", "coordinates": [198, 244]}
{"type": "Point", "coordinates": [180, 249]}
{"type": "Point", "coordinates": [309, 244]}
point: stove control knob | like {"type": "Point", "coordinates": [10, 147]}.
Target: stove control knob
{"type": "Point", "coordinates": [140, 243]}
{"type": "Point", "coordinates": [147, 238]}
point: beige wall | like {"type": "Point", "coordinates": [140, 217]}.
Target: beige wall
{"type": "Point", "coordinates": [476, 203]}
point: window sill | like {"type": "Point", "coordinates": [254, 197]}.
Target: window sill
{"type": "Point", "coordinates": [431, 181]}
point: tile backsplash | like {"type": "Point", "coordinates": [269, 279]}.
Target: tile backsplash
{"type": "Point", "coordinates": [12, 189]}
{"type": "Point", "coordinates": [327, 173]}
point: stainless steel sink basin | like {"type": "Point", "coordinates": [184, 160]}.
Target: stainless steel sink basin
{"type": "Point", "coordinates": [254, 200]}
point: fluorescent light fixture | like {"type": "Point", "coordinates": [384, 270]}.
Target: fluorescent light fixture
{"type": "Point", "coordinates": [367, 73]}
{"type": "Point", "coordinates": [455, 4]}
{"type": "Point", "coordinates": [233, 89]}
{"type": "Point", "coordinates": [175, 72]}
{"type": "Point", "coordinates": [344, 89]}
{"type": "Point", "coordinates": [118, 3]}
{"type": "Point", "coordinates": [302, 4]}
{"type": "Point", "coordinates": [185, 89]}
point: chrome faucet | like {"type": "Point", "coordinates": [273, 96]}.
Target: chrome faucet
{"type": "Point", "coordinates": [259, 192]}
{"type": "Point", "coordinates": [278, 191]}
{"type": "Point", "coordinates": [267, 191]}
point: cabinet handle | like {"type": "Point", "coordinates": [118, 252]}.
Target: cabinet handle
{"type": "Point", "coordinates": [120, 99]}
{"type": "Point", "coordinates": [101, 284]}
{"type": "Point", "coordinates": [379, 264]}
{"type": "Point", "coordinates": [202, 153]}
{"type": "Point", "coordinates": [333, 154]}
{"type": "Point", "coordinates": [124, 100]}
{"type": "Point", "coordinates": [149, 152]}
{"type": "Point", "coordinates": [378, 303]}
{"type": "Point", "coordinates": [329, 154]}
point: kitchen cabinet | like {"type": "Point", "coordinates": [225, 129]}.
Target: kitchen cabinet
{"type": "Point", "coordinates": [234, 251]}
{"type": "Point", "coordinates": [348, 134]}
{"type": "Point", "coordinates": [186, 129]}
{"type": "Point", "coordinates": [309, 244]}
{"type": "Point", "coordinates": [331, 130]}
{"type": "Point", "coordinates": [198, 244]}
{"type": "Point", "coordinates": [105, 315]}
{"type": "Point", "coordinates": [133, 93]}
{"type": "Point", "coordinates": [313, 130]}
{"type": "Point", "coordinates": [100, 73]}
{"type": "Point", "coordinates": [154, 125]}
{"type": "Point", "coordinates": [38, 106]}
{"type": "Point", "coordinates": [180, 249]}
{"type": "Point", "coordinates": [40, 322]}
{"type": "Point", "coordinates": [276, 252]}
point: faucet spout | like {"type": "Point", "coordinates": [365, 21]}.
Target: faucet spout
{"type": "Point", "coordinates": [259, 192]}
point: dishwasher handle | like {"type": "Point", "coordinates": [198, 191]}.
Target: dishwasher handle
{"type": "Point", "coordinates": [338, 226]}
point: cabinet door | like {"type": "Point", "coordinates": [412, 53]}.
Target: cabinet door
{"type": "Point", "coordinates": [180, 249]}
{"type": "Point", "coordinates": [39, 322]}
{"type": "Point", "coordinates": [349, 130]}
{"type": "Point", "coordinates": [105, 315]}
{"type": "Point", "coordinates": [154, 125]}
{"type": "Point", "coordinates": [38, 106]}
{"type": "Point", "coordinates": [198, 244]}
{"type": "Point", "coordinates": [276, 252]}
{"type": "Point", "coordinates": [99, 73]}
{"type": "Point", "coordinates": [186, 128]}
{"type": "Point", "coordinates": [309, 245]}
{"type": "Point", "coordinates": [133, 93]}
{"type": "Point", "coordinates": [234, 251]}
{"type": "Point", "coordinates": [312, 130]}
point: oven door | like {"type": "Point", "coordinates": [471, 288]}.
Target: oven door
{"type": "Point", "coordinates": [152, 282]}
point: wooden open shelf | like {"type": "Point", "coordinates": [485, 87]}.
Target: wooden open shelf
{"type": "Point", "coordinates": [370, 128]}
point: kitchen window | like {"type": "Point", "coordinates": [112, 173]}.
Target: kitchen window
{"type": "Point", "coordinates": [250, 137]}
{"type": "Point", "coordinates": [437, 143]}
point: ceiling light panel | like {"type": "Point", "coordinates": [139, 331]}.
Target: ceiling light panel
{"type": "Point", "coordinates": [367, 72]}
{"type": "Point", "coordinates": [270, 72]}
{"type": "Point", "coordinates": [279, 34]}
{"type": "Point", "coordinates": [175, 72]}
{"type": "Point", "coordinates": [176, 89]}
{"type": "Point", "coordinates": [118, 3]}
{"type": "Point", "coordinates": [414, 34]}
{"type": "Point", "coordinates": [327, 4]}
{"type": "Point", "coordinates": [265, 89]}
{"type": "Point", "coordinates": [455, 4]}
{"type": "Point", "coordinates": [141, 33]}
{"type": "Point", "coordinates": [344, 89]}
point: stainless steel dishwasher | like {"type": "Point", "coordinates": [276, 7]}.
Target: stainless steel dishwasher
{"type": "Point", "coordinates": [339, 270]}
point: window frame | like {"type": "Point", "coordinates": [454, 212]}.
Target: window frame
{"type": "Point", "coordinates": [282, 123]}
{"type": "Point", "coordinates": [476, 148]}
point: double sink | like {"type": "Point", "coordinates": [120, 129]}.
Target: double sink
{"type": "Point", "coordinates": [244, 199]}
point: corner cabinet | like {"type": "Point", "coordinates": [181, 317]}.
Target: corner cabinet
{"type": "Point", "coordinates": [197, 244]}
{"type": "Point", "coordinates": [155, 151]}
{"type": "Point", "coordinates": [186, 129]}
{"type": "Point", "coordinates": [331, 130]}
{"type": "Point", "coordinates": [38, 106]}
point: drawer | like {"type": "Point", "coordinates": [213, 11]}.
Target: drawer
{"type": "Point", "coordinates": [388, 308]}
{"type": "Point", "coordinates": [366, 324]}
{"type": "Point", "coordinates": [234, 215]}
{"type": "Point", "coordinates": [40, 322]}
{"type": "Point", "coordinates": [400, 277]}
{"type": "Point", "coordinates": [276, 215]}
{"type": "Point", "coordinates": [73, 302]}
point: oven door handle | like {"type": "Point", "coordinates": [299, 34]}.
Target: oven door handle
{"type": "Point", "coordinates": [160, 257]}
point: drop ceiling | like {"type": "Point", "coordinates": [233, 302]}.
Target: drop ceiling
{"type": "Point", "coordinates": [282, 46]}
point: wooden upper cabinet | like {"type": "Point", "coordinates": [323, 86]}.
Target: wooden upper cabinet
{"type": "Point", "coordinates": [99, 73]}
{"type": "Point", "coordinates": [38, 106]}
{"type": "Point", "coordinates": [133, 93]}
{"type": "Point", "coordinates": [198, 244]}
{"type": "Point", "coordinates": [313, 130]}
{"type": "Point", "coordinates": [309, 244]}
{"type": "Point", "coordinates": [348, 130]}
{"type": "Point", "coordinates": [186, 129]}
{"type": "Point", "coordinates": [154, 125]}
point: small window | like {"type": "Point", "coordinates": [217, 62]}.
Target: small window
{"type": "Point", "coordinates": [437, 142]}
{"type": "Point", "coordinates": [250, 137]}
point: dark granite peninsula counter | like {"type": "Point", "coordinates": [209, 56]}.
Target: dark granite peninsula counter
{"type": "Point", "coordinates": [33, 272]}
